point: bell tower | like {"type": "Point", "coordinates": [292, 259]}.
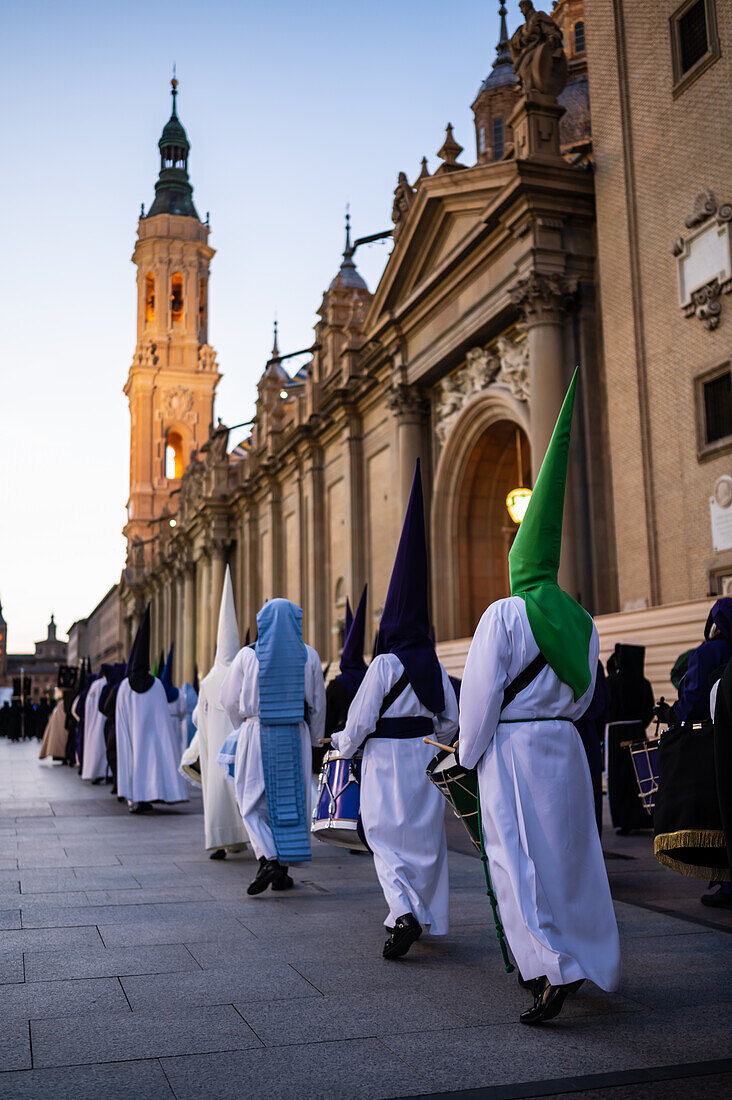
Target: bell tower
{"type": "Point", "coordinates": [173, 376]}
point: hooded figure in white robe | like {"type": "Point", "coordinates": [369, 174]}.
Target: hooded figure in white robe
{"type": "Point", "coordinates": [177, 707]}
{"type": "Point", "coordinates": [55, 735]}
{"type": "Point", "coordinates": [94, 760]}
{"type": "Point", "coordinates": [223, 827]}
{"type": "Point", "coordinates": [148, 749]}
{"type": "Point", "coordinates": [405, 696]}
{"type": "Point", "coordinates": [275, 729]}
{"type": "Point", "coordinates": [539, 830]}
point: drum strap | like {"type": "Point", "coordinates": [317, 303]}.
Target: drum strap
{"type": "Point", "coordinates": [393, 694]}
{"type": "Point", "coordinates": [389, 699]}
{"type": "Point", "coordinates": [524, 678]}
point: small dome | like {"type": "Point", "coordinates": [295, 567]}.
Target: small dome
{"type": "Point", "coordinates": [348, 276]}
{"type": "Point", "coordinates": [173, 132]}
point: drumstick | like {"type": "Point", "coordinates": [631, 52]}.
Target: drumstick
{"type": "Point", "coordinates": [324, 740]}
{"type": "Point", "coordinates": [439, 745]}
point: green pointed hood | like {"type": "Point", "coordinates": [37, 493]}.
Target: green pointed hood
{"type": "Point", "coordinates": [561, 627]}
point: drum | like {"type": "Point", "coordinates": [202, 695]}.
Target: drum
{"type": "Point", "coordinates": [644, 755]}
{"type": "Point", "coordinates": [459, 786]}
{"type": "Point", "coordinates": [688, 834]}
{"type": "Point", "coordinates": [337, 813]}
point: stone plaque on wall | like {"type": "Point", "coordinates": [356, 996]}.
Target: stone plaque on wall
{"type": "Point", "coordinates": [720, 507]}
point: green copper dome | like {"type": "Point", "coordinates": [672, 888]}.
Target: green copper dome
{"type": "Point", "coordinates": [173, 190]}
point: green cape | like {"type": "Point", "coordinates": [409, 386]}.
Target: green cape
{"type": "Point", "coordinates": [562, 629]}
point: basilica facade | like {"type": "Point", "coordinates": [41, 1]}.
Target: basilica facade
{"type": "Point", "coordinates": [508, 269]}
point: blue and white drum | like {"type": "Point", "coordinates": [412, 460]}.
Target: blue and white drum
{"type": "Point", "coordinates": [337, 813]}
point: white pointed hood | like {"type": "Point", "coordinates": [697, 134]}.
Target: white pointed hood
{"type": "Point", "coordinates": [227, 639]}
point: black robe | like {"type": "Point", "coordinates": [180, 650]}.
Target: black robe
{"type": "Point", "coordinates": [723, 755]}
{"type": "Point", "coordinates": [338, 699]}
{"type": "Point", "coordinates": [631, 705]}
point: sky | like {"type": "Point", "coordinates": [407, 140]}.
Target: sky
{"type": "Point", "coordinates": [292, 110]}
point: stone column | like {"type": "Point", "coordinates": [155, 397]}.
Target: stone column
{"type": "Point", "coordinates": [410, 408]}
{"type": "Point", "coordinates": [203, 618]}
{"type": "Point", "coordinates": [356, 505]}
{"type": "Point", "coordinates": [218, 569]}
{"type": "Point", "coordinates": [179, 628]}
{"type": "Point", "coordinates": [543, 301]}
{"type": "Point", "coordinates": [189, 622]}
{"type": "Point", "coordinates": [316, 625]}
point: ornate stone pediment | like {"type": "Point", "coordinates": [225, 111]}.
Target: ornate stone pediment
{"type": "Point", "coordinates": [505, 364]}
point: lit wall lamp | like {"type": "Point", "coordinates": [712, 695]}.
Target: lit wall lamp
{"type": "Point", "coordinates": [518, 499]}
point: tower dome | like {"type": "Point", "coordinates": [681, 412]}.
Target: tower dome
{"type": "Point", "coordinates": [348, 277]}
{"type": "Point", "coordinates": [173, 190]}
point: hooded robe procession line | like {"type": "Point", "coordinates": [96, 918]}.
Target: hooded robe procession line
{"type": "Point", "coordinates": [265, 749]}
{"type": "Point", "coordinates": [148, 751]}
{"type": "Point", "coordinates": [403, 814]}
{"type": "Point", "coordinates": [538, 818]}
{"type": "Point", "coordinates": [94, 757]}
{"type": "Point", "coordinates": [222, 823]}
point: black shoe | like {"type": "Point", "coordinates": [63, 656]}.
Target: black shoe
{"type": "Point", "coordinates": [270, 870]}
{"type": "Point", "coordinates": [532, 984]}
{"type": "Point", "coordinates": [406, 931]}
{"type": "Point", "coordinates": [220, 853]}
{"type": "Point", "coordinates": [284, 882]}
{"type": "Point", "coordinates": [721, 899]}
{"type": "Point", "coordinates": [139, 807]}
{"type": "Point", "coordinates": [548, 1001]}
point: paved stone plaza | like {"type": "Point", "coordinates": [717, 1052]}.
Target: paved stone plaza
{"type": "Point", "coordinates": [133, 966]}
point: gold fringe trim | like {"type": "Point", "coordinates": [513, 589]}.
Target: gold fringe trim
{"type": "Point", "coordinates": [666, 843]}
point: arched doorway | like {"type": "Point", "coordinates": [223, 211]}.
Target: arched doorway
{"type": "Point", "coordinates": [485, 530]}
{"type": "Point", "coordinates": [472, 531]}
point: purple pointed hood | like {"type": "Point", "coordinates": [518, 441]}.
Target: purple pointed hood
{"type": "Point", "coordinates": [348, 623]}
{"type": "Point", "coordinates": [721, 617]}
{"type": "Point", "coordinates": [353, 666]}
{"type": "Point", "coordinates": [171, 691]}
{"type": "Point", "coordinates": [405, 621]}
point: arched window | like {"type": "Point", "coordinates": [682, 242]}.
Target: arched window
{"type": "Point", "coordinates": [174, 456]}
{"type": "Point", "coordinates": [481, 139]}
{"type": "Point", "coordinates": [201, 303]}
{"type": "Point", "coordinates": [149, 298]}
{"type": "Point", "coordinates": [499, 138]}
{"type": "Point", "coordinates": [579, 37]}
{"type": "Point", "coordinates": [176, 297]}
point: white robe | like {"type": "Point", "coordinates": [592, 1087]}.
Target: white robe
{"type": "Point", "coordinates": [240, 700]}
{"type": "Point", "coordinates": [178, 712]}
{"type": "Point", "coordinates": [222, 823]}
{"type": "Point", "coordinates": [148, 749]}
{"type": "Point", "coordinates": [55, 736]}
{"type": "Point", "coordinates": [403, 813]}
{"type": "Point", "coordinates": [94, 765]}
{"type": "Point", "coordinates": [538, 815]}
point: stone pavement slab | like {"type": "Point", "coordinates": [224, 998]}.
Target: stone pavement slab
{"type": "Point", "coordinates": [100, 962]}
{"type": "Point", "coordinates": [359, 1069]}
{"type": "Point", "coordinates": [15, 1050]}
{"type": "Point", "coordinates": [144, 1080]}
{"type": "Point", "coordinates": [228, 984]}
{"type": "Point", "coordinates": [80, 996]}
{"type": "Point", "coordinates": [111, 1038]}
{"type": "Point", "coordinates": [11, 966]}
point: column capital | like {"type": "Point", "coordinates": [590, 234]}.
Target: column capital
{"type": "Point", "coordinates": [407, 402]}
{"type": "Point", "coordinates": [543, 299]}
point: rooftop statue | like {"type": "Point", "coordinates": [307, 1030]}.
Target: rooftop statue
{"type": "Point", "coordinates": [539, 60]}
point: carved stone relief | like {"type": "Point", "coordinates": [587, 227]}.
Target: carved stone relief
{"type": "Point", "coordinates": [704, 259]}
{"type": "Point", "coordinates": [178, 403]}
{"type": "Point", "coordinates": [505, 364]}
